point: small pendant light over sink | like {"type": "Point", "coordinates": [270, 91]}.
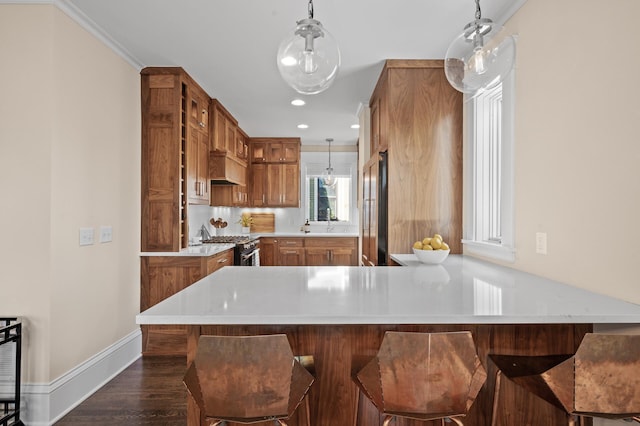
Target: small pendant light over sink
{"type": "Point", "coordinates": [308, 59]}
{"type": "Point", "coordinates": [329, 179]}
{"type": "Point", "coordinates": [480, 57]}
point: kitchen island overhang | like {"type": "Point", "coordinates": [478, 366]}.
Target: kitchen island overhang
{"type": "Point", "coordinates": [462, 290]}
{"type": "Point", "coordinates": [339, 315]}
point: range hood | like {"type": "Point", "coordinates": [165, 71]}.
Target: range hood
{"type": "Point", "coordinates": [224, 170]}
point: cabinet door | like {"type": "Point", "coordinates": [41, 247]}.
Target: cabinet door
{"type": "Point", "coordinates": [258, 185]}
{"type": "Point", "coordinates": [268, 251]}
{"type": "Point", "coordinates": [219, 137]}
{"type": "Point", "coordinates": [203, 167]}
{"type": "Point", "coordinates": [290, 185]}
{"type": "Point", "coordinates": [318, 256]}
{"type": "Point", "coordinates": [291, 256]}
{"type": "Point", "coordinates": [274, 181]}
{"type": "Point", "coordinates": [375, 126]}
{"type": "Point", "coordinates": [219, 261]}
{"type": "Point", "coordinates": [230, 138]}
{"type": "Point", "coordinates": [343, 257]}
{"type": "Point", "coordinates": [193, 144]}
{"type": "Point", "coordinates": [258, 152]}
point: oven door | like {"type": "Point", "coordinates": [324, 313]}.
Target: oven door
{"type": "Point", "coordinates": [251, 258]}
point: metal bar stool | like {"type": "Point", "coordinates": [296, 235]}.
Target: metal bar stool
{"type": "Point", "coordinates": [600, 380]}
{"type": "Point", "coordinates": [247, 379]}
{"type": "Point", "coordinates": [423, 376]}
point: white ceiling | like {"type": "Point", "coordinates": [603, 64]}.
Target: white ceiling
{"type": "Point", "coordinates": [229, 48]}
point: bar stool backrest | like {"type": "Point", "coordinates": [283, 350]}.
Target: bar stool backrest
{"type": "Point", "coordinates": [607, 375]}
{"type": "Point", "coordinates": [246, 378]}
{"type": "Point", "coordinates": [424, 373]}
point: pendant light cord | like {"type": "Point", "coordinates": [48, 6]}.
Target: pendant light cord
{"type": "Point", "coordinates": [478, 11]}
{"type": "Point", "coordinates": [310, 7]}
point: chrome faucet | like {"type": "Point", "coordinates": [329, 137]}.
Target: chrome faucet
{"type": "Point", "coordinates": [329, 226]}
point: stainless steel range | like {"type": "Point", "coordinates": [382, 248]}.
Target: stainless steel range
{"type": "Point", "coordinates": [246, 251]}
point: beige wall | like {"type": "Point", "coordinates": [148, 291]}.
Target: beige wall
{"type": "Point", "coordinates": [72, 150]}
{"type": "Point", "coordinates": [577, 149]}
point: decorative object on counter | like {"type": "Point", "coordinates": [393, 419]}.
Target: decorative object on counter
{"type": "Point", "coordinates": [308, 58]}
{"type": "Point", "coordinates": [480, 57]}
{"type": "Point", "coordinates": [218, 224]}
{"type": "Point", "coordinates": [432, 250]}
{"type": "Point", "coordinates": [329, 179]}
{"type": "Point", "coordinates": [306, 227]}
{"type": "Point", "coordinates": [246, 221]}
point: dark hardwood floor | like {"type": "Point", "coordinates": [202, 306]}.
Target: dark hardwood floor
{"type": "Point", "coordinates": [149, 392]}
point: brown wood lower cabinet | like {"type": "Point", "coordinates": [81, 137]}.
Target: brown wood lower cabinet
{"type": "Point", "coordinates": [309, 251]}
{"type": "Point", "coordinates": [333, 251]}
{"type": "Point", "coordinates": [164, 276]}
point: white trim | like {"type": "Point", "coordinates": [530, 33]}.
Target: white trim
{"type": "Point", "coordinates": [493, 251]}
{"type": "Point", "coordinates": [44, 404]}
{"type": "Point", "coordinates": [72, 11]}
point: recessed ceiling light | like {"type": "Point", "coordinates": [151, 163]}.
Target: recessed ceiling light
{"type": "Point", "coordinates": [297, 102]}
{"type": "Point", "coordinates": [303, 126]}
{"type": "Point", "coordinates": [355, 126]}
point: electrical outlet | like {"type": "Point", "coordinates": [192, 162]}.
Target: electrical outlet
{"type": "Point", "coordinates": [541, 242]}
{"type": "Point", "coordinates": [86, 236]}
{"type": "Point", "coordinates": [106, 234]}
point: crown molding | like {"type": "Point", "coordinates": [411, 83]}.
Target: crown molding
{"type": "Point", "coordinates": [88, 24]}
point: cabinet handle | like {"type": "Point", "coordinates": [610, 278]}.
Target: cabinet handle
{"type": "Point", "coordinates": [290, 252]}
{"type": "Point", "coordinates": [328, 256]}
{"type": "Point", "coordinates": [223, 260]}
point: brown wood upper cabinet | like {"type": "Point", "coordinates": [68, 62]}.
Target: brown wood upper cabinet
{"type": "Point", "coordinates": [174, 110]}
{"type": "Point", "coordinates": [275, 150]}
{"type": "Point", "coordinates": [275, 172]}
{"type": "Point", "coordinates": [198, 147]}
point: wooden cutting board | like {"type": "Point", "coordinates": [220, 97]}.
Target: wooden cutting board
{"type": "Point", "coordinates": [263, 222]}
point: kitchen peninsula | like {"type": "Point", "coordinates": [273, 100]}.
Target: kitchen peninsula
{"type": "Point", "coordinates": [338, 314]}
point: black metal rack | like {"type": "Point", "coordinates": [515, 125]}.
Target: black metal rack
{"type": "Point", "coordinates": [11, 332]}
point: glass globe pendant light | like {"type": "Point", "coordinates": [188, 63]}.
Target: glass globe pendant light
{"type": "Point", "coordinates": [309, 58]}
{"type": "Point", "coordinates": [480, 57]}
{"type": "Point", "coordinates": [329, 179]}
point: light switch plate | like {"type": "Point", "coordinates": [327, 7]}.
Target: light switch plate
{"type": "Point", "coordinates": [541, 242]}
{"type": "Point", "coordinates": [86, 236]}
{"type": "Point", "coordinates": [106, 234]}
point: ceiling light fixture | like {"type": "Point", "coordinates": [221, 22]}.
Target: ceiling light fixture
{"type": "Point", "coordinates": [329, 179]}
{"type": "Point", "coordinates": [480, 57]}
{"type": "Point", "coordinates": [303, 126]}
{"type": "Point", "coordinates": [308, 59]}
{"type": "Point", "coordinates": [297, 102]}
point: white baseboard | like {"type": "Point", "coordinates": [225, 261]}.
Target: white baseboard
{"type": "Point", "coordinates": [44, 404]}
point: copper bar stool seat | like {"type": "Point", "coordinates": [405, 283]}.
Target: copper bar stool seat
{"type": "Point", "coordinates": [602, 379]}
{"type": "Point", "coordinates": [247, 379]}
{"type": "Point", "coordinates": [423, 376]}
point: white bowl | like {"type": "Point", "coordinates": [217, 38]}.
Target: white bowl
{"type": "Point", "coordinates": [432, 257]}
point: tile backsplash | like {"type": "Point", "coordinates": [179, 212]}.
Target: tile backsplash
{"type": "Point", "coordinates": [287, 220]}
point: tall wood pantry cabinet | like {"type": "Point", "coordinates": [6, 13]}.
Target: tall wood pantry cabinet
{"type": "Point", "coordinates": [416, 117]}
{"type": "Point", "coordinates": [175, 155]}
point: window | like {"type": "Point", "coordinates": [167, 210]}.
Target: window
{"type": "Point", "coordinates": [488, 177]}
{"type": "Point", "coordinates": [328, 202]}
{"type": "Point", "coordinates": [340, 198]}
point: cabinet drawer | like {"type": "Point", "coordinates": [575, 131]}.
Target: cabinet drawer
{"type": "Point", "coordinates": [290, 242]}
{"type": "Point", "coordinates": [219, 260]}
{"type": "Point", "coordinates": [330, 242]}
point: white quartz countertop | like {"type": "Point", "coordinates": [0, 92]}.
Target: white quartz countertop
{"type": "Point", "coordinates": [200, 250]}
{"type": "Point", "coordinates": [462, 290]}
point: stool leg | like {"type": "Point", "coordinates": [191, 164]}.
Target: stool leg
{"type": "Point", "coordinates": [387, 420]}
{"type": "Point", "coordinates": [636, 418]}
{"type": "Point", "coordinates": [456, 421]}
{"type": "Point", "coordinates": [282, 423]}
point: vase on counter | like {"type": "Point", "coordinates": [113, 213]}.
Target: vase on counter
{"type": "Point", "coordinates": [246, 229]}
